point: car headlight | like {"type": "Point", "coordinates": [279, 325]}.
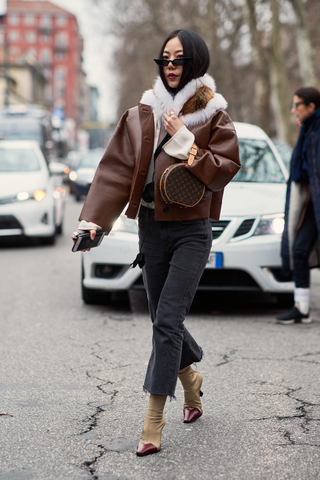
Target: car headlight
{"type": "Point", "coordinates": [270, 225]}
{"type": "Point", "coordinates": [124, 224]}
{"type": "Point", "coordinates": [37, 195]}
{"type": "Point", "coordinates": [23, 196]}
{"type": "Point", "coordinates": [73, 176]}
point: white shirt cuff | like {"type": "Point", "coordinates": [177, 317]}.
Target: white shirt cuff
{"type": "Point", "coordinates": [180, 144]}
{"type": "Point", "coordinates": [84, 225]}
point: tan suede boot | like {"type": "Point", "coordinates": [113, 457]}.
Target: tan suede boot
{"type": "Point", "coordinates": [191, 382]}
{"type": "Point", "coordinates": [152, 426]}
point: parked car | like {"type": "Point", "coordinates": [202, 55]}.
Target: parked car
{"type": "Point", "coordinates": [245, 254]}
{"type": "Point", "coordinates": [81, 177]}
{"type": "Point", "coordinates": [28, 122]}
{"type": "Point", "coordinates": [32, 197]}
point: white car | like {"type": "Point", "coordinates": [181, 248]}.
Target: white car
{"type": "Point", "coordinates": [32, 196]}
{"type": "Point", "coordinates": [245, 254]}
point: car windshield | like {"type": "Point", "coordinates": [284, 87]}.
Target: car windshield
{"type": "Point", "coordinates": [258, 163]}
{"type": "Point", "coordinates": [20, 130]}
{"type": "Point", "coordinates": [18, 160]}
{"type": "Point", "coordinates": [90, 160]}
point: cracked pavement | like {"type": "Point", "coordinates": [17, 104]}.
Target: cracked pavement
{"type": "Point", "coordinates": [71, 383]}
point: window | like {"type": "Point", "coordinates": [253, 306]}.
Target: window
{"type": "Point", "coordinates": [45, 38]}
{"type": "Point", "coordinates": [13, 36]}
{"type": "Point", "coordinates": [18, 160]}
{"type": "Point", "coordinates": [258, 163]}
{"type": "Point", "coordinates": [62, 39]}
{"type": "Point", "coordinates": [20, 129]}
{"type": "Point", "coordinates": [61, 21]}
{"type": "Point", "coordinates": [61, 56]}
{"type": "Point", "coordinates": [61, 73]}
{"type": "Point", "coordinates": [45, 56]}
{"type": "Point", "coordinates": [29, 19]}
{"type": "Point", "coordinates": [13, 19]}
{"type": "Point", "coordinates": [30, 37]}
{"type": "Point", "coordinates": [60, 81]}
{"type": "Point", "coordinates": [45, 21]}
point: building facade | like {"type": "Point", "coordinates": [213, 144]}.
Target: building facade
{"type": "Point", "coordinates": [51, 34]}
{"type": "Point", "coordinates": [21, 82]}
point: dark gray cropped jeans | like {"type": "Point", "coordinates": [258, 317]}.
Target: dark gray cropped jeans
{"type": "Point", "coordinates": [175, 257]}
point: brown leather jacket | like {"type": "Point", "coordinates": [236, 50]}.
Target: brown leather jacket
{"type": "Point", "coordinates": [122, 172]}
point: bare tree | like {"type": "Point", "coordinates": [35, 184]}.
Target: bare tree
{"type": "Point", "coordinates": [280, 75]}
{"type": "Point", "coordinates": [261, 63]}
{"type": "Point", "coordinates": [304, 47]}
{"type": "Point", "coordinates": [258, 56]}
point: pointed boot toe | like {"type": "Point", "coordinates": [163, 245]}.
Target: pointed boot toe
{"type": "Point", "coordinates": [191, 414]}
{"type": "Point", "coordinates": [146, 449]}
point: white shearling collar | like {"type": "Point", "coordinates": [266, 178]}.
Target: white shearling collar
{"type": "Point", "coordinates": [162, 101]}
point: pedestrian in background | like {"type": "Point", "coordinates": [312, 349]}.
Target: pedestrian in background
{"type": "Point", "coordinates": [301, 237]}
{"type": "Point", "coordinates": [174, 242]}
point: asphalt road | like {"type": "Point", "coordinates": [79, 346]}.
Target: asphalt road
{"type": "Point", "coordinates": [71, 397]}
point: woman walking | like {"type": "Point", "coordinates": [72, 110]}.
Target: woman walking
{"type": "Point", "coordinates": [181, 116]}
{"type": "Point", "coordinates": [301, 237]}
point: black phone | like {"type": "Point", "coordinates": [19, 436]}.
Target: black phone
{"type": "Point", "coordinates": [82, 240]}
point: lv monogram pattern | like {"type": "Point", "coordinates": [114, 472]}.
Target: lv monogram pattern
{"type": "Point", "coordinates": [179, 186]}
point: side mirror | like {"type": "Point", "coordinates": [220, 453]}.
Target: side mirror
{"type": "Point", "coordinates": [57, 168]}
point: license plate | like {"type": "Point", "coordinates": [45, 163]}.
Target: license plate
{"type": "Point", "coordinates": [215, 260]}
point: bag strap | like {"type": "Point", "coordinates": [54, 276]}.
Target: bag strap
{"type": "Point", "coordinates": [192, 154]}
{"type": "Point", "coordinates": [159, 147]}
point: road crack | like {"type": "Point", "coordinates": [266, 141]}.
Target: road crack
{"type": "Point", "coordinates": [303, 415]}
{"type": "Point", "coordinates": [227, 358]}
{"type": "Point", "coordinates": [90, 465]}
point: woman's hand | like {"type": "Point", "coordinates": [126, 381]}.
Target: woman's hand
{"type": "Point", "coordinates": [172, 123]}
{"type": "Point", "coordinates": [92, 236]}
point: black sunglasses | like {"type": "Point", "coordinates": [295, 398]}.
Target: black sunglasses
{"type": "Point", "coordinates": [295, 105]}
{"type": "Point", "coordinates": [177, 62]}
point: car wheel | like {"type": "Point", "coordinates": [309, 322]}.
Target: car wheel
{"type": "Point", "coordinates": [59, 229]}
{"type": "Point", "coordinates": [285, 300]}
{"type": "Point", "coordinates": [138, 301]}
{"type": "Point", "coordinates": [48, 240]}
{"type": "Point", "coordinates": [93, 297]}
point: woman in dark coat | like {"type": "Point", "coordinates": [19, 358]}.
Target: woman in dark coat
{"type": "Point", "coordinates": [301, 237]}
{"type": "Point", "coordinates": [174, 242]}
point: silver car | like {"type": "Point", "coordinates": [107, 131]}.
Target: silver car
{"type": "Point", "coordinates": [32, 197]}
{"type": "Point", "coordinates": [245, 254]}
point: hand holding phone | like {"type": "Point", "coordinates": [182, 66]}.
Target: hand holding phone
{"type": "Point", "coordinates": [82, 240]}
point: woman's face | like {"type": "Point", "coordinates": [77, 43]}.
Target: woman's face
{"type": "Point", "coordinates": [300, 109]}
{"type": "Point", "coordinates": [172, 50]}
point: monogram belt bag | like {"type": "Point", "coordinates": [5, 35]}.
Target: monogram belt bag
{"type": "Point", "coordinates": [179, 186]}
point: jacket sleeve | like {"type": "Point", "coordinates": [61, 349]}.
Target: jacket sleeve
{"type": "Point", "coordinates": [110, 188]}
{"type": "Point", "coordinates": [217, 164]}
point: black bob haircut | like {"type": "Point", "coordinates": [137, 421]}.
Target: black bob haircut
{"type": "Point", "coordinates": [195, 48]}
{"type": "Point", "coordinates": [309, 95]}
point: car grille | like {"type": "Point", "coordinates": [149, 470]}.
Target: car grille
{"type": "Point", "coordinates": [218, 227]}
{"type": "Point", "coordinates": [227, 279]}
{"type": "Point", "coordinates": [3, 201]}
{"type": "Point", "coordinates": [245, 227]}
{"type": "Point", "coordinates": [9, 222]}
{"type": "Point", "coordinates": [219, 279]}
